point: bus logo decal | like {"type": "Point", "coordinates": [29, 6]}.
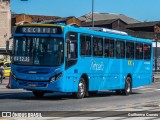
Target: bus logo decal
{"type": "Point", "coordinates": [130, 62]}
{"type": "Point", "coordinates": [97, 66]}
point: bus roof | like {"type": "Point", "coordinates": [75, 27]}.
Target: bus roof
{"type": "Point", "coordinates": [103, 32]}
{"type": "Point", "coordinates": [109, 34]}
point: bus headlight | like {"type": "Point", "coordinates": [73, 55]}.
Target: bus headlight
{"type": "Point", "coordinates": [56, 77]}
{"type": "Point", "coordinates": [52, 79]}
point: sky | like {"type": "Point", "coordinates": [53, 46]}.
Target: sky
{"type": "Point", "coordinates": [142, 10]}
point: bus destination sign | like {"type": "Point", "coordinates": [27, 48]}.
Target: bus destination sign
{"type": "Point", "coordinates": [39, 30]}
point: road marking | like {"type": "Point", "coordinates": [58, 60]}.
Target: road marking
{"type": "Point", "coordinates": [146, 89]}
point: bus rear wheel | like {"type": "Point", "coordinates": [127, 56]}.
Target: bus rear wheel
{"type": "Point", "coordinates": [81, 89]}
{"type": "Point", "coordinates": [38, 93]}
{"type": "Point", "coordinates": [128, 87]}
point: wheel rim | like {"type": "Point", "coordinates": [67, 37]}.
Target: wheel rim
{"type": "Point", "coordinates": [128, 87]}
{"type": "Point", "coordinates": [81, 88]}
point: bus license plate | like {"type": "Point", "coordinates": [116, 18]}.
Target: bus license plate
{"type": "Point", "coordinates": [32, 85]}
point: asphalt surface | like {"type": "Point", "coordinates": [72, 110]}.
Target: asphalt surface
{"type": "Point", "coordinates": [146, 98]}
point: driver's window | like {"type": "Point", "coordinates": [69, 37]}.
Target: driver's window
{"type": "Point", "coordinates": [72, 48]}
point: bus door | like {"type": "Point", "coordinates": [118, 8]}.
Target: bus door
{"type": "Point", "coordinates": [71, 59]}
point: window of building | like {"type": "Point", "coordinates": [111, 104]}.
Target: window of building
{"type": "Point", "coordinates": [129, 50]}
{"type": "Point", "coordinates": [85, 45]}
{"type": "Point", "coordinates": [147, 51]}
{"type": "Point", "coordinates": [139, 51]}
{"type": "Point", "coordinates": [120, 49]}
{"type": "Point", "coordinates": [97, 46]}
{"type": "Point", "coordinates": [108, 48]}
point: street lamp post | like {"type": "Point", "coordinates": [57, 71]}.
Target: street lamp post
{"type": "Point", "coordinates": [92, 13]}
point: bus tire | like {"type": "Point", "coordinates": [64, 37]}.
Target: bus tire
{"type": "Point", "coordinates": [38, 93]}
{"type": "Point", "coordinates": [119, 92]}
{"type": "Point", "coordinates": [81, 89]}
{"type": "Point", "coordinates": [128, 87]}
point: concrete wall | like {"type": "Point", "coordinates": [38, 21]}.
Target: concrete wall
{"type": "Point", "coordinates": [5, 22]}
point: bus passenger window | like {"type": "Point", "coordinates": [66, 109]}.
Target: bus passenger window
{"type": "Point", "coordinates": [109, 48]}
{"type": "Point", "coordinates": [106, 48]}
{"type": "Point", "coordinates": [120, 49]}
{"type": "Point", "coordinates": [85, 45]}
{"type": "Point", "coordinates": [147, 51]}
{"type": "Point", "coordinates": [129, 50]}
{"type": "Point", "coordinates": [97, 46]}
{"type": "Point", "coordinates": [139, 51]}
{"type": "Point", "coordinates": [72, 49]}
{"type": "Point", "coordinates": [73, 52]}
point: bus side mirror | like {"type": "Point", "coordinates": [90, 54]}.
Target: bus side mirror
{"type": "Point", "coordinates": [7, 46]}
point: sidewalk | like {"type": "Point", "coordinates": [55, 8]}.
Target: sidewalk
{"type": "Point", "coordinates": [4, 83]}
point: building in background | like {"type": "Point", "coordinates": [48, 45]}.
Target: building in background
{"type": "Point", "coordinates": [107, 16]}
{"type": "Point", "coordinates": [18, 19]}
{"type": "Point", "coordinates": [148, 30]}
{"type": "Point", "coordinates": [133, 27]}
{"type": "Point", "coordinates": [5, 23]}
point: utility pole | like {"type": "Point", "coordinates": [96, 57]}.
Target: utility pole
{"type": "Point", "coordinates": [156, 56]}
{"type": "Point", "coordinates": [92, 13]}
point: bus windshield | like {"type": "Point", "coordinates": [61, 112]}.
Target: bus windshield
{"type": "Point", "coordinates": [38, 51]}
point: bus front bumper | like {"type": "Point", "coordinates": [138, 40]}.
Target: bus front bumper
{"type": "Point", "coordinates": [56, 86]}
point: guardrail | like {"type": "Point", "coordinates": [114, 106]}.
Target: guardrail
{"type": "Point", "coordinates": [156, 77]}
{"type": "Point", "coordinates": [156, 72]}
{"type": "Point", "coordinates": [3, 51]}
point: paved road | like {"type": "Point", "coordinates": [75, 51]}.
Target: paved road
{"type": "Point", "coordinates": [143, 99]}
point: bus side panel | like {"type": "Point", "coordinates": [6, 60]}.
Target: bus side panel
{"type": "Point", "coordinates": [147, 70]}
{"type": "Point", "coordinates": [71, 81]}
{"type": "Point", "coordinates": [84, 66]}
{"type": "Point", "coordinates": [99, 77]}
{"type": "Point", "coordinates": [137, 77]}
{"type": "Point", "coordinates": [115, 70]}
{"type": "Point", "coordinates": [105, 74]}
{"type": "Point", "coordinates": [142, 74]}
{"type": "Point", "coordinates": [128, 67]}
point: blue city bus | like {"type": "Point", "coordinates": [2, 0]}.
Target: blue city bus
{"type": "Point", "coordinates": [50, 58]}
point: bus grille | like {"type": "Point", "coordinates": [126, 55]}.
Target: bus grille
{"type": "Point", "coordinates": [32, 84]}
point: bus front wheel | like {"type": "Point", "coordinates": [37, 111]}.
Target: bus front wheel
{"type": "Point", "coordinates": [38, 93]}
{"type": "Point", "coordinates": [81, 89]}
{"type": "Point", "coordinates": [128, 87]}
